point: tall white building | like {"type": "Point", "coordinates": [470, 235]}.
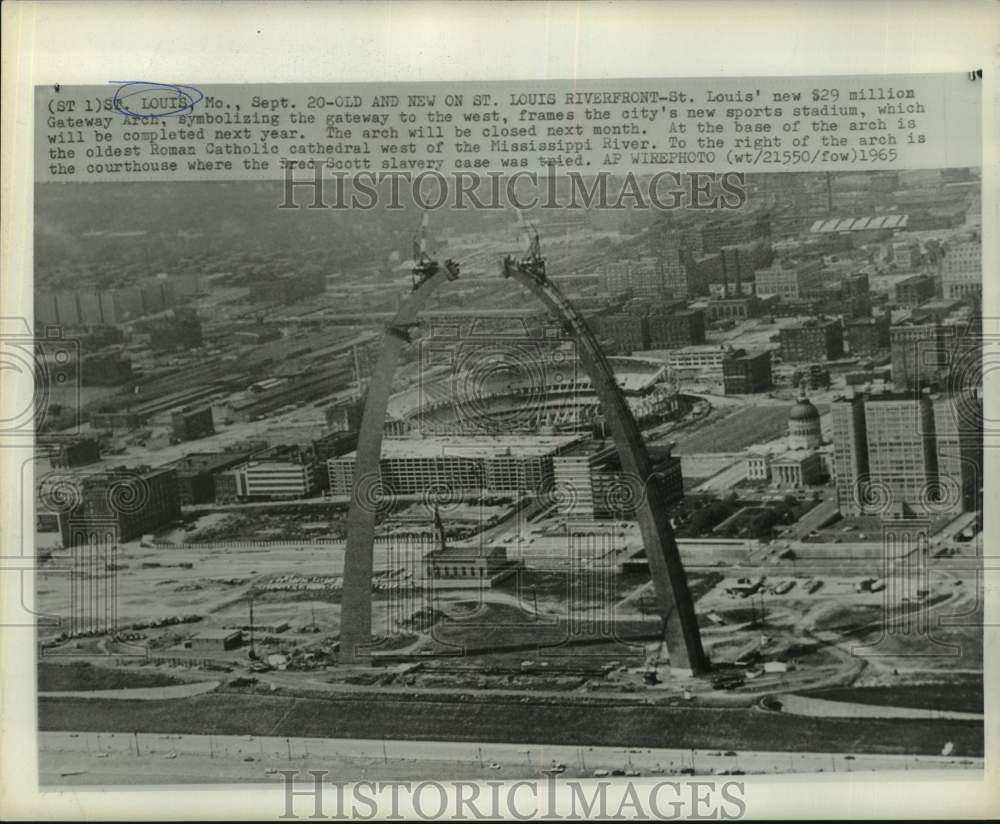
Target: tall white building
{"type": "Point", "coordinates": [962, 269]}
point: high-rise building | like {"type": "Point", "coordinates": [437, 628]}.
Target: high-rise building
{"type": "Point", "coordinates": [674, 268]}
{"type": "Point", "coordinates": [850, 453]}
{"type": "Point", "coordinates": [962, 269]}
{"type": "Point", "coordinates": [900, 443]}
{"type": "Point", "coordinates": [901, 454]}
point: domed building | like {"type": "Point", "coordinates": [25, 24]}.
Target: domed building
{"type": "Point", "coordinates": [804, 431]}
{"type": "Point", "coordinates": [800, 459]}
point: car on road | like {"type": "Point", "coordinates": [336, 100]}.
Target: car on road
{"type": "Point", "coordinates": [601, 773]}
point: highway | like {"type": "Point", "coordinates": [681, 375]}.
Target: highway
{"type": "Point", "coordinates": [98, 758]}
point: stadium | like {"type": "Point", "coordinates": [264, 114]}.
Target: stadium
{"type": "Point", "coordinates": [502, 388]}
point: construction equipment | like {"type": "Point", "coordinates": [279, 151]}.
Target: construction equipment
{"type": "Point", "coordinates": [532, 263]}
{"type": "Point", "coordinates": [424, 266]}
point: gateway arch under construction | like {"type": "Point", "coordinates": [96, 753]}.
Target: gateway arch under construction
{"type": "Point", "coordinates": [674, 601]}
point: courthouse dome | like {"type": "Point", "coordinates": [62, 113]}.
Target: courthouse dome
{"type": "Point", "coordinates": [803, 410]}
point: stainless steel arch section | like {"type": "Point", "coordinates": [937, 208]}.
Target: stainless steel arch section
{"type": "Point", "coordinates": [669, 578]}
{"type": "Point", "coordinates": [356, 598]}
{"type": "Point", "coordinates": [673, 595]}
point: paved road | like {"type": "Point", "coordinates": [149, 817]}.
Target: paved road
{"type": "Point", "coordinates": [80, 758]}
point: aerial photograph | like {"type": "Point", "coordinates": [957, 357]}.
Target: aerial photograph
{"type": "Point", "coordinates": [502, 494]}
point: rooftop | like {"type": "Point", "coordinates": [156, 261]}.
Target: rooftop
{"type": "Point", "coordinates": [485, 446]}
{"type": "Point", "coordinates": [207, 461]}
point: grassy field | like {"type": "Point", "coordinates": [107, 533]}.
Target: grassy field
{"type": "Point", "coordinates": [958, 697]}
{"type": "Point", "coordinates": [752, 424]}
{"type": "Point", "coordinates": [82, 676]}
{"type": "Point", "coordinates": [494, 718]}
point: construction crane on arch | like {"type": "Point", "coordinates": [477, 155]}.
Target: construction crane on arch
{"type": "Point", "coordinates": [532, 263]}
{"type": "Point", "coordinates": [424, 266]}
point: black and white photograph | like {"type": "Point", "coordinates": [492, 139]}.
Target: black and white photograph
{"type": "Point", "coordinates": [589, 447]}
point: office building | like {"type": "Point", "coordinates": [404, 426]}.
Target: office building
{"type": "Point", "coordinates": [589, 482]}
{"type": "Point", "coordinates": [962, 269]}
{"type": "Point", "coordinates": [744, 373]}
{"type": "Point", "coordinates": [272, 479]}
{"type": "Point", "coordinates": [867, 336]}
{"type": "Point", "coordinates": [932, 354]}
{"type": "Point", "coordinates": [470, 465]}
{"type": "Point", "coordinates": [674, 329]}
{"type": "Point", "coordinates": [197, 474]}
{"type": "Point", "coordinates": [790, 279]}
{"type": "Point", "coordinates": [623, 332]}
{"type": "Point", "coordinates": [913, 291]}
{"type": "Point", "coordinates": [816, 339]}
{"type": "Point", "coordinates": [697, 361]}
{"type": "Point", "coordinates": [901, 455]}
{"type": "Point", "coordinates": [135, 500]}
{"type": "Point", "coordinates": [675, 278]}
{"type": "Point", "coordinates": [812, 377]}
